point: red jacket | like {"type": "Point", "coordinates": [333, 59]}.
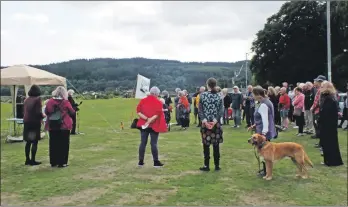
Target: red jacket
{"type": "Point", "coordinates": [66, 110]}
{"type": "Point", "coordinates": [150, 106]}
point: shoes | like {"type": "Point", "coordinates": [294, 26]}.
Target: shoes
{"type": "Point", "coordinates": [204, 168]}
{"type": "Point", "coordinates": [300, 134]}
{"type": "Point", "coordinates": [33, 162]}
{"type": "Point", "coordinates": [141, 163]}
{"type": "Point", "coordinates": [314, 137]}
{"type": "Point", "coordinates": [217, 168]}
{"type": "Point", "coordinates": [63, 166]}
{"type": "Point", "coordinates": [261, 173]}
{"type": "Point", "coordinates": [295, 127]}
{"type": "Point", "coordinates": [317, 146]}
{"type": "Point", "coordinates": [157, 164]}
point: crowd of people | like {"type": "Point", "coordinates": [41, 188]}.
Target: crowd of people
{"type": "Point", "coordinates": [311, 107]}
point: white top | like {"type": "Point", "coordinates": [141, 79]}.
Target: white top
{"type": "Point", "coordinates": [263, 110]}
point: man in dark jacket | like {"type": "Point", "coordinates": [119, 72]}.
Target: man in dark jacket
{"type": "Point", "coordinates": [249, 107]}
{"type": "Point", "coordinates": [237, 104]}
{"type": "Point", "coordinates": [309, 93]}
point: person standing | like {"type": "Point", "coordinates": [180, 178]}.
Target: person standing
{"type": "Point", "coordinates": [237, 104]}
{"type": "Point", "coordinates": [176, 102]}
{"type": "Point", "coordinates": [210, 112]}
{"type": "Point", "coordinates": [184, 110]}
{"type": "Point", "coordinates": [201, 90]}
{"type": "Point", "coordinates": [32, 124]}
{"type": "Point", "coordinates": [75, 107]}
{"type": "Point", "coordinates": [291, 95]}
{"type": "Point", "coordinates": [59, 125]}
{"type": "Point", "coordinates": [284, 106]}
{"type": "Point", "coordinates": [151, 122]}
{"type": "Point", "coordinates": [195, 109]}
{"type": "Point", "coordinates": [315, 109]}
{"type": "Point", "coordinates": [328, 117]}
{"type": "Point", "coordinates": [298, 103]}
{"type": "Point", "coordinates": [264, 119]}
{"type": "Point", "coordinates": [249, 106]}
{"type": "Point", "coordinates": [309, 99]}
{"type": "Point", "coordinates": [272, 95]}
{"type": "Point", "coordinates": [227, 104]}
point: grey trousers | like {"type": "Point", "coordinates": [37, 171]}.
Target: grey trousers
{"type": "Point", "coordinates": [308, 120]}
{"type": "Point", "coordinates": [144, 135]}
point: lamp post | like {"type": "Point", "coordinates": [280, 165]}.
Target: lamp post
{"type": "Point", "coordinates": [328, 30]}
{"type": "Point", "coordinates": [246, 70]}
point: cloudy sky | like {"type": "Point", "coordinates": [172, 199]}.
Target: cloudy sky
{"type": "Point", "coordinates": [46, 32]}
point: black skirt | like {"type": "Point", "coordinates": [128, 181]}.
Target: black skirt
{"type": "Point", "coordinates": [32, 131]}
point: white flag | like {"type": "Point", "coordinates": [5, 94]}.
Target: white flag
{"type": "Point", "coordinates": [143, 87]}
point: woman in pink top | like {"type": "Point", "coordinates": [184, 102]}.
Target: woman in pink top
{"type": "Point", "coordinates": [298, 103]}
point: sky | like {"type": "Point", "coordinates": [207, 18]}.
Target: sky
{"type": "Point", "coordinates": [49, 32]}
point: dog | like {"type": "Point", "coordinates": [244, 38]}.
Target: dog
{"type": "Point", "coordinates": [272, 152]}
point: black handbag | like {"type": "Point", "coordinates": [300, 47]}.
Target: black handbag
{"type": "Point", "coordinates": [134, 124]}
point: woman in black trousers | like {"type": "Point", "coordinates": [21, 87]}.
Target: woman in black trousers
{"type": "Point", "coordinates": [32, 124]}
{"type": "Point", "coordinates": [59, 124]}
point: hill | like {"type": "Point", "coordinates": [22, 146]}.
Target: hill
{"type": "Point", "coordinates": [107, 74]}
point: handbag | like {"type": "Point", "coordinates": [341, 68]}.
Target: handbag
{"type": "Point", "coordinates": [134, 124]}
{"type": "Point", "coordinates": [297, 112]}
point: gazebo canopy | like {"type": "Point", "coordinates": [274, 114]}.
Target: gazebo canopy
{"type": "Point", "coordinates": [25, 75]}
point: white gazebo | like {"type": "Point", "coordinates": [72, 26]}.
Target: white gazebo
{"type": "Point", "coordinates": [23, 75]}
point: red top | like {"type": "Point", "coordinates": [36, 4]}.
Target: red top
{"type": "Point", "coordinates": [285, 100]}
{"type": "Point", "coordinates": [150, 106]}
{"type": "Point", "coordinates": [315, 106]}
{"type": "Point", "coordinates": [65, 109]}
{"type": "Point", "coordinates": [299, 102]}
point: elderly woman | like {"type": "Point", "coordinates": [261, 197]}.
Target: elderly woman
{"type": "Point", "coordinates": [166, 97]}
{"type": "Point", "coordinates": [328, 117]}
{"type": "Point", "coordinates": [298, 103]}
{"type": "Point", "coordinates": [59, 124]}
{"type": "Point", "coordinates": [273, 97]}
{"type": "Point", "coordinates": [75, 107]}
{"type": "Point", "coordinates": [151, 122]}
{"type": "Point", "coordinates": [210, 112]}
{"type": "Point", "coordinates": [184, 110]}
{"type": "Point", "coordinates": [264, 118]}
{"type": "Point", "coordinates": [32, 124]}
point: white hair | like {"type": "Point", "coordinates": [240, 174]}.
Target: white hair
{"type": "Point", "coordinates": [177, 90]}
{"type": "Point", "coordinates": [60, 92]}
{"type": "Point", "coordinates": [181, 93]}
{"type": "Point", "coordinates": [71, 92]}
{"type": "Point", "coordinates": [165, 93]}
{"type": "Point", "coordinates": [301, 85]}
{"type": "Point", "coordinates": [202, 88]}
{"type": "Point", "coordinates": [162, 100]}
{"type": "Point", "coordinates": [155, 91]}
{"type": "Point", "coordinates": [185, 91]}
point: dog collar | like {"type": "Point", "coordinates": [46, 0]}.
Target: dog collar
{"type": "Point", "coordinates": [261, 145]}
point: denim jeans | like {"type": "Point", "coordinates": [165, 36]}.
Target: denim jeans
{"type": "Point", "coordinates": [144, 134]}
{"type": "Point", "coordinates": [236, 116]}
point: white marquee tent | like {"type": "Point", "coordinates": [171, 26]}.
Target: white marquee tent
{"type": "Point", "coordinates": [23, 75]}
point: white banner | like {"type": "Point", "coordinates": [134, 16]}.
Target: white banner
{"type": "Point", "coordinates": [143, 87]}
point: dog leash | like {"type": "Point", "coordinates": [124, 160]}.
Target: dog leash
{"type": "Point", "coordinates": [256, 156]}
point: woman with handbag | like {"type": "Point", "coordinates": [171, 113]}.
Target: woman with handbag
{"type": "Point", "coordinates": [298, 103]}
{"type": "Point", "coordinates": [59, 124]}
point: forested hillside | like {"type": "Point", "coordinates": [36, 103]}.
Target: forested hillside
{"type": "Point", "coordinates": [106, 74]}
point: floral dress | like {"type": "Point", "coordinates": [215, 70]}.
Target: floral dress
{"type": "Point", "coordinates": [211, 109]}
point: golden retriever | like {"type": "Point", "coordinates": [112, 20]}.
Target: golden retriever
{"type": "Point", "coordinates": [272, 152]}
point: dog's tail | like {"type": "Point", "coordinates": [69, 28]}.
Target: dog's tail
{"type": "Point", "coordinates": [307, 160]}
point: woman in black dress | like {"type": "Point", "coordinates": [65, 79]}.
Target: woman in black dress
{"type": "Point", "coordinates": [32, 124]}
{"type": "Point", "coordinates": [328, 117]}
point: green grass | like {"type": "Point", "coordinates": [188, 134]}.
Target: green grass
{"type": "Point", "coordinates": [103, 169]}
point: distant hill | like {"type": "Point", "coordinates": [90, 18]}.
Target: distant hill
{"type": "Point", "coordinates": [107, 74]}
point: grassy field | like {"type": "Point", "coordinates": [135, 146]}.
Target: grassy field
{"type": "Point", "coordinates": [103, 169]}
